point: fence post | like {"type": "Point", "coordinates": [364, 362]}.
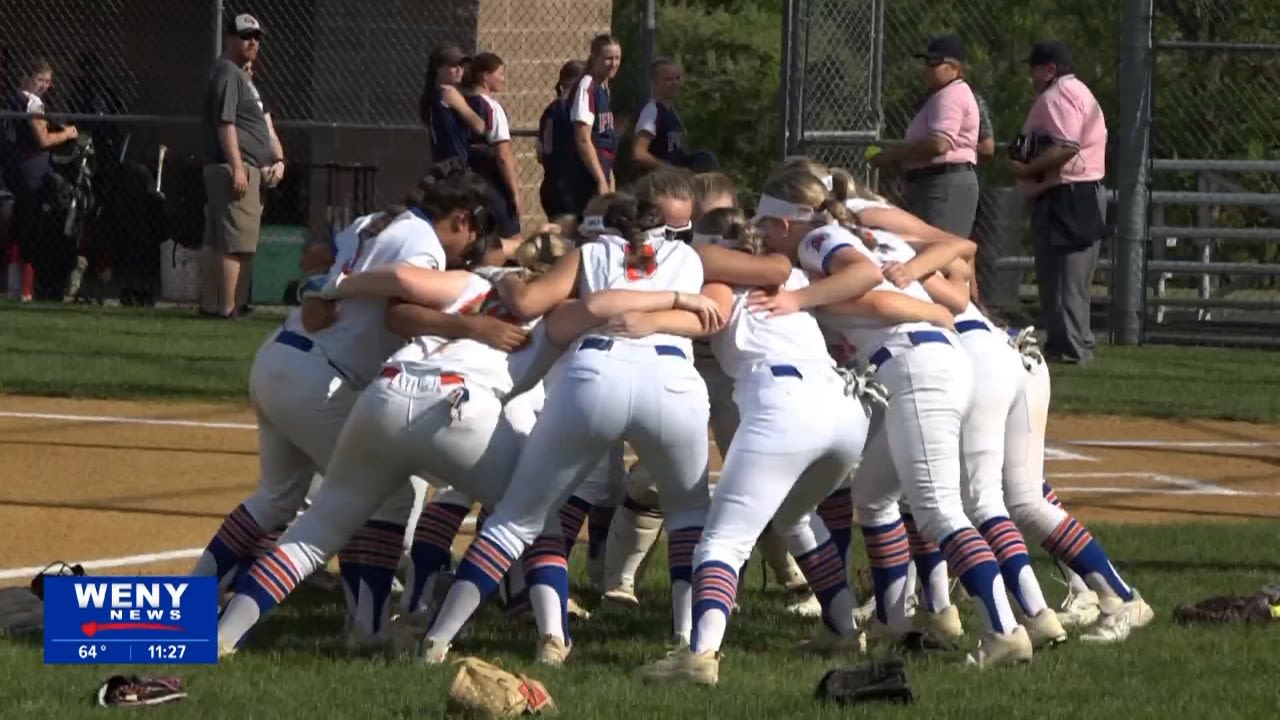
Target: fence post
{"type": "Point", "coordinates": [1132, 166]}
{"type": "Point", "coordinates": [648, 38]}
{"type": "Point", "coordinates": [217, 27]}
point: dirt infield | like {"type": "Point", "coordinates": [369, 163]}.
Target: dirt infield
{"type": "Point", "coordinates": [142, 486]}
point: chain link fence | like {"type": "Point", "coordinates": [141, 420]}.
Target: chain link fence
{"type": "Point", "coordinates": [342, 81]}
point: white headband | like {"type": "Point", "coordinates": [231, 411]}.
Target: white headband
{"type": "Point", "coordinates": [829, 182]}
{"type": "Point", "coordinates": [772, 207]}
{"type": "Point", "coordinates": [654, 236]}
{"type": "Point", "coordinates": [699, 239]}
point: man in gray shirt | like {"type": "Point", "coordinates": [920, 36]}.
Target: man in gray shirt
{"type": "Point", "coordinates": [238, 158]}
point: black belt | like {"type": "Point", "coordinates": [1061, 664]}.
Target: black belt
{"type": "Point", "coordinates": [941, 169]}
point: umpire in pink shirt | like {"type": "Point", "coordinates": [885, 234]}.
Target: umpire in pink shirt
{"type": "Point", "coordinates": [1060, 160]}
{"type": "Point", "coordinates": [937, 160]}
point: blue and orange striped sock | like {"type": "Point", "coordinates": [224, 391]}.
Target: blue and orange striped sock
{"type": "Point", "coordinates": [680, 545]}
{"type": "Point", "coordinates": [546, 573]}
{"type": "Point", "coordinates": [431, 551]}
{"type": "Point", "coordinates": [830, 583]}
{"type": "Point", "coordinates": [237, 543]}
{"type": "Point", "coordinates": [714, 589]}
{"type": "Point", "coordinates": [572, 516]}
{"type": "Point", "coordinates": [1010, 549]}
{"type": "Point", "coordinates": [598, 521]}
{"type": "Point", "coordinates": [969, 558]}
{"type": "Point", "coordinates": [836, 511]}
{"type": "Point", "coordinates": [931, 568]}
{"type": "Point", "coordinates": [477, 578]}
{"type": "Point", "coordinates": [1074, 581]}
{"type": "Point", "coordinates": [889, 554]}
{"type": "Point", "coordinates": [367, 565]}
{"type": "Point", "coordinates": [269, 580]}
{"type": "Point", "coordinates": [1072, 543]}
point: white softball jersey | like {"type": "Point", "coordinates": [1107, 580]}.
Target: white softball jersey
{"type": "Point", "coordinates": [750, 340]}
{"type": "Point", "coordinates": [676, 267]}
{"type": "Point", "coordinates": [359, 341]}
{"type": "Point", "coordinates": [865, 335]}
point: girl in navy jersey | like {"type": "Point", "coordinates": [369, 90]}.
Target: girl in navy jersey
{"type": "Point", "coordinates": [659, 136]}
{"type": "Point", "coordinates": [490, 152]}
{"type": "Point", "coordinates": [594, 134]}
{"type": "Point", "coordinates": [556, 151]}
{"type": "Point", "coordinates": [443, 109]}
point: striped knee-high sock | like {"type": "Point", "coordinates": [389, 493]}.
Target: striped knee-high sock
{"type": "Point", "coordinates": [1015, 564]}
{"type": "Point", "coordinates": [572, 516]}
{"type": "Point", "coordinates": [1072, 543]}
{"type": "Point", "coordinates": [836, 512]}
{"type": "Point", "coordinates": [714, 587]}
{"type": "Point", "coordinates": [931, 568]}
{"type": "Point", "coordinates": [476, 579]}
{"type": "Point", "coordinates": [680, 546]}
{"type": "Point", "coordinates": [889, 555]}
{"type": "Point", "coordinates": [547, 577]}
{"type": "Point", "coordinates": [830, 583]}
{"type": "Point", "coordinates": [431, 551]}
{"type": "Point", "coordinates": [1074, 581]}
{"type": "Point", "coordinates": [598, 521]}
{"type": "Point", "coordinates": [969, 558]}
{"type": "Point", "coordinates": [368, 565]}
{"type": "Point", "coordinates": [237, 543]}
{"type": "Point", "coordinates": [257, 592]}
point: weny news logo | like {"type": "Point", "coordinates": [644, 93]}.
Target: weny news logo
{"type": "Point", "coordinates": [131, 606]}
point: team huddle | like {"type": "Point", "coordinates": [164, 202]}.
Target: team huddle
{"type": "Point", "coordinates": [828, 341]}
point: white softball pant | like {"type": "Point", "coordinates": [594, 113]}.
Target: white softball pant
{"type": "Point", "coordinates": [930, 388]}
{"type": "Point", "coordinates": [798, 439]}
{"type": "Point", "coordinates": [1024, 483]}
{"type": "Point", "coordinates": [607, 391]}
{"type": "Point", "coordinates": [995, 434]}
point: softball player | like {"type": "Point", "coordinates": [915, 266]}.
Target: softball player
{"type": "Point", "coordinates": [782, 461]}
{"type": "Point", "coordinates": [594, 134]}
{"type": "Point", "coordinates": [436, 410]}
{"type": "Point", "coordinates": [929, 381]}
{"type": "Point", "coordinates": [449, 119]}
{"type": "Point", "coordinates": [993, 440]}
{"type": "Point", "coordinates": [633, 383]}
{"type": "Point", "coordinates": [556, 148]}
{"type": "Point", "coordinates": [490, 154]}
{"type": "Point", "coordinates": [304, 384]}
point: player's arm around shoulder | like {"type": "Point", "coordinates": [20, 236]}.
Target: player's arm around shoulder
{"type": "Point", "coordinates": [848, 274]}
{"type": "Point", "coordinates": [404, 281]}
{"type": "Point", "coordinates": [733, 267]}
{"type": "Point", "coordinates": [534, 298]}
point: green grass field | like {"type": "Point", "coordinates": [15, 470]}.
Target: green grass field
{"type": "Point", "coordinates": [294, 666]}
{"type": "Point", "coordinates": [120, 353]}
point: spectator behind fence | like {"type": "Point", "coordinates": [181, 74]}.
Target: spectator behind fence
{"type": "Point", "coordinates": [443, 109]}
{"type": "Point", "coordinates": [1060, 160]}
{"type": "Point", "coordinates": [557, 150]}
{"type": "Point", "coordinates": [659, 133]}
{"type": "Point", "coordinates": [937, 160]}
{"type": "Point", "coordinates": [36, 226]}
{"type": "Point", "coordinates": [237, 151]}
{"type": "Point", "coordinates": [490, 151]}
{"type": "Point", "coordinates": [274, 175]}
{"type": "Point", "coordinates": [595, 136]}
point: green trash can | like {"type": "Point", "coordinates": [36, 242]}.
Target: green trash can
{"type": "Point", "coordinates": [276, 264]}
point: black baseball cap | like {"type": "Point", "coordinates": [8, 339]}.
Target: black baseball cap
{"type": "Point", "coordinates": [244, 25]}
{"type": "Point", "coordinates": [1050, 52]}
{"type": "Point", "coordinates": [944, 47]}
{"type": "Point", "coordinates": [447, 55]}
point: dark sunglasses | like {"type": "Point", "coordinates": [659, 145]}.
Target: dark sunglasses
{"type": "Point", "coordinates": [251, 37]}
{"type": "Point", "coordinates": [934, 62]}
{"type": "Point", "coordinates": [683, 234]}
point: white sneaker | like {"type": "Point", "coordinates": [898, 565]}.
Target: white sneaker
{"type": "Point", "coordinates": [622, 596]}
{"type": "Point", "coordinates": [1118, 622]}
{"type": "Point", "coordinates": [433, 652]}
{"type": "Point", "coordinates": [552, 651]}
{"type": "Point", "coordinates": [1079, 609]}
{"type": "Point", "coordinates": [995, 650]}
{"type": "Point", "coordinates": [944, 624]}
{"type": "Point", "coordinates": [225, 651]}
{"type": "Point", "coordinates": [683, 664]}
{"type": "Point", "coordinates": [829, 644]}
{"type": "Point", "coordinates": [1045, 629]}
{"type": "Point", "coordinates": [576, 610]}
{"type": "Point", "coordinates": [809, 607]}
{"type": "Point", "coordinates": [865, 612]}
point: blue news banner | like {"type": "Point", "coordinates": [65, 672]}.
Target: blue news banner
{"type": "Point", "coordinates": [130, 620]}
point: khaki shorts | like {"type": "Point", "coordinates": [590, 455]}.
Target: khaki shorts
{"type": "Point", "coordinates": [231, 226]}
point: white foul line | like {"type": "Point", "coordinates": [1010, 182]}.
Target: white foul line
{"type": "Point", "coordinates": [1208, 444]}
{"type": "Point", "coordinates": [115, 562]}
{"type": "Point", "coordinates": [130, 420]}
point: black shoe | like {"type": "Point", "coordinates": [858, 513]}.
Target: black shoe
{"type": "Point", "coordinates": [218, 316]}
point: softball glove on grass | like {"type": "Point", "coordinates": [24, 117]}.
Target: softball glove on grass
{"type": "Point", "coordinates": [884, 679]}
{"type": "Point", "coordinates": [132, 690]}
{"type": "Point", "coordinates": [1262, 607]}
{"type": "Point", "coordinates": [484, 690]}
